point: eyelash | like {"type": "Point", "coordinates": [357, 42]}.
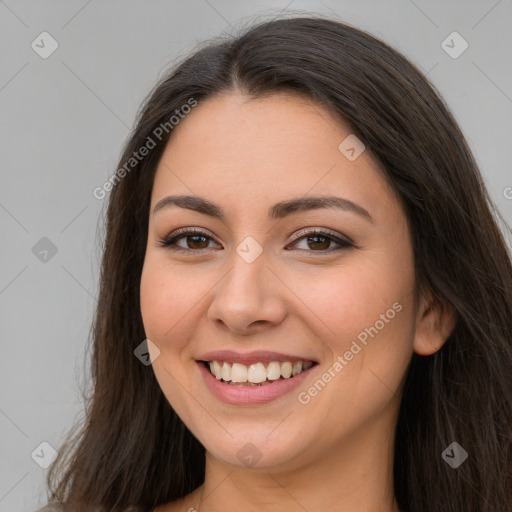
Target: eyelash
{"type": "Point", "coordinates": [170, 241]}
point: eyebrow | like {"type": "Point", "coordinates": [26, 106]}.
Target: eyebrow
{"type": "Point", "coordinates": [277, 211]}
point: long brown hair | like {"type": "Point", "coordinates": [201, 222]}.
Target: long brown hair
{"type": "Point", "coordinates": [132, 449]}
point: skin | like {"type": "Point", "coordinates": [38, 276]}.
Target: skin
{"type": "Point", "coordinates": [245, 154]}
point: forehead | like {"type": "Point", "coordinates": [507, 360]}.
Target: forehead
{"type": "Point", "coordinates": [236, 122]}
{"type": "Point", "coordinates": [246, 150]}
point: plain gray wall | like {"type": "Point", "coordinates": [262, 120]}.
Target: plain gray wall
{"type": "Point", "coordinates": [64, 120]}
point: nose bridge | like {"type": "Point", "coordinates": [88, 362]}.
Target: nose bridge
{"type": "Point", "coordinates": [247, 262]}
{"type": "Point", "coordinates": [244, 279]}
{"type": "Point", "coordinates": [247, 293]}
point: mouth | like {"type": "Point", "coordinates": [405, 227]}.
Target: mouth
{"type": "Point", "coordinates": [257, 374]}
{"type": "Point", "coordinates": [254, 378]}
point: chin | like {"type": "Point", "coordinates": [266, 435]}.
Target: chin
{"type": "Point", "coordinates": [255, 448]}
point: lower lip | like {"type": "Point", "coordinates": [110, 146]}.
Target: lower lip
{"type": "Point", "coordinates": [251, 395]}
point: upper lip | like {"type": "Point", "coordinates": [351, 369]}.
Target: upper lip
{"type": "Point", "coordinates": [247, 358]}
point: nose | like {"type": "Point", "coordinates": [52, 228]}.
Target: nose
{"type": "Point", "coordinates": [248, 298]}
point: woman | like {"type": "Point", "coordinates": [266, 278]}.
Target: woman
{"type": "Point", "coordinates": [305, 300]}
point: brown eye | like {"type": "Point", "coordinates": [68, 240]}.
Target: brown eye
{"type": "Point", "coordinates": [195, 241]}
{"type": "Point", "coordinates": [319, 241]}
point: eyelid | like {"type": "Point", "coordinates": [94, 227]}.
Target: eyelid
{"type": "Point", "coordinates": [313, 230]}
{"type": "Point", "coordinates": [343, 241]}
{"type": "Point", "coordinates": [184, 233]}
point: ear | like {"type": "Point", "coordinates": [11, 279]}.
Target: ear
{"type": "Point", "coordinates": [434, 324]}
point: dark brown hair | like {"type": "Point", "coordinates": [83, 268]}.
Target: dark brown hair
{"type": "Point", "coordinates": [133, 449]}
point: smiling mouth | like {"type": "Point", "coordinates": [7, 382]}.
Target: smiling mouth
{"type": "Point", "coordinates": [258, 374]}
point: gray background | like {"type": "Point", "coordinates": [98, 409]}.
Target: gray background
{"type": "Point", "coordinates": [64, 120]}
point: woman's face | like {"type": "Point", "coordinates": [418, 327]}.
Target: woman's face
{"type": "Point", "coordinates": [253, 290]}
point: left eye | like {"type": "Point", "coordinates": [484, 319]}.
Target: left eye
{"type": "Point", "coordinates": [318, 241]}
{"type": "Point", "coordinates": [322, 241]}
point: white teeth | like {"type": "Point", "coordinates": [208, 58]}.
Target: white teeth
{"type": "Point", "coordinates": [226, 371]}
{"type": "Point", "coordinates": [274, 370]}
{"type": "Point", "coordinates": [256, 374]}
{"type": "Point", "coordinates": [286, 370]}
{"type": "Point", "coordinates": [217, 370]}
{"type": "Point", "coordinates": [238, 372]}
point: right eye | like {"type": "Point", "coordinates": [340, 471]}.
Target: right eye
{"type": "Point", "coordinates": [199, 240]}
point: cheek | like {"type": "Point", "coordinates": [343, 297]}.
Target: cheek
{"type": "Point", "coordinates": [167, 299]}
{"type": "Point", "coordinates": [343, 300]}
{"type": "Point", "coordinates": [373, 319]}
{"type": "Point", "coordinates": [367, 299]}
{"type": "Point", "coordinates": [369, 312]}
{"type": "Point", "coordinates": [152, 297]}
